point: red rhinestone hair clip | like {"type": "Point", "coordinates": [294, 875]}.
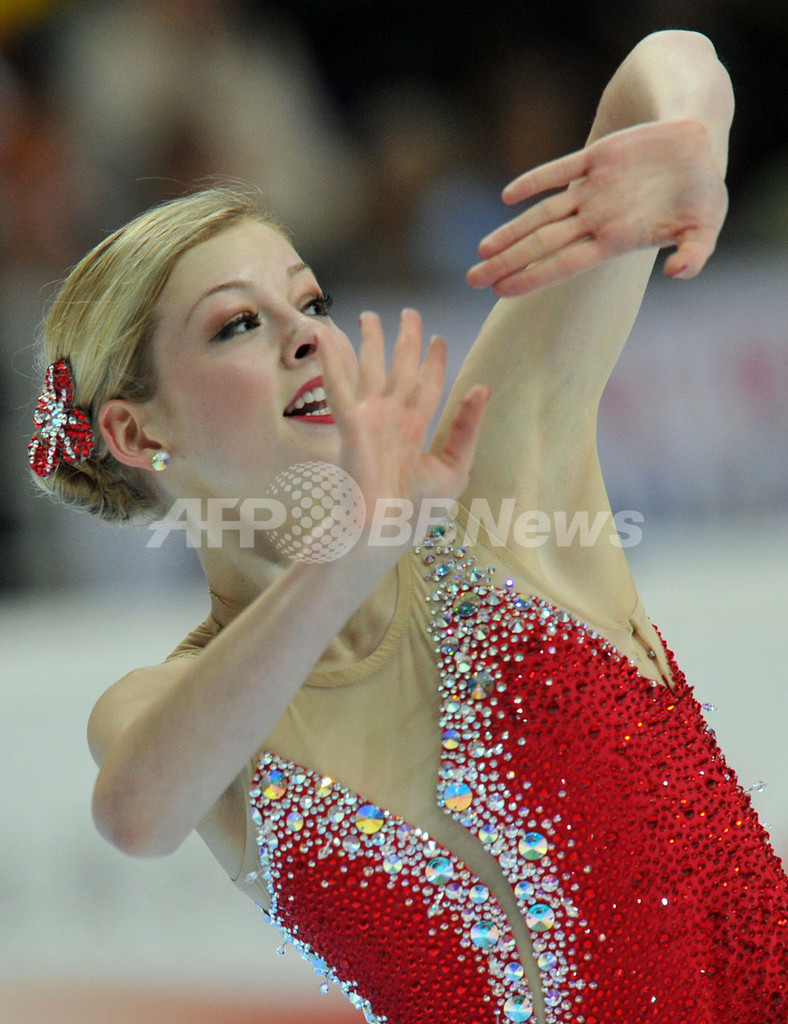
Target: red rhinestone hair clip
{"type": "Point", "coordinates": [62, 432]}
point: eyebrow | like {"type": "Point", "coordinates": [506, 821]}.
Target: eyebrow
{"type": "Point", "coordinates": [240, 284]}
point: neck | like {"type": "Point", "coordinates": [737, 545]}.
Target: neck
{"type": "Point", "coordinates": [235, 580]}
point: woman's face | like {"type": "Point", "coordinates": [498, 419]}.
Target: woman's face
{"type": "Point", "coordinates": [241, 326]}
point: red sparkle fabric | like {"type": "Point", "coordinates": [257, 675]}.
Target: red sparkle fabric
{"type": "Point", "coordinates": [638, 863]}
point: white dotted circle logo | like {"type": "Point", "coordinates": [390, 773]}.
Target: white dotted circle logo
{"type": "Point", "coordinates": [325, 512]}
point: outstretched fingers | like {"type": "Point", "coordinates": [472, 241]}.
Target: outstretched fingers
{"type": "Point", "coordinates": [408, 376]}
{"type": "Point", "coordinates": [555, 174]}
{"type": "Point", "coordinates": [563, 265]}
{"type": "Point", "coordinates": [519, 245]}
{"type": "Point", "coordinates": [411, 382]}
{"type": "Point", "coordinates": [548, 212]}
{"type": "Point", "coordinates": [460, 445]}
{"type": "Point", "coordinates": [372, 355]}
{"type": "Point", "coordinates": [340, 386]}
{"type": "Point", "coordinates": [406, 361]}
{"type": "Point", "coordinates": [650, 186]}
{"type": "Point", "coordinates": [432, 377]}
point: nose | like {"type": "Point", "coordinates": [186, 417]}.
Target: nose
{"type": "Point", "coordinates": [305, 349]}
{"type": "Point", "coordinates": [303, 339]}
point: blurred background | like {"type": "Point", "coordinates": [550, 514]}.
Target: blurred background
{"type": "Point", "coordinates": [381, 134]}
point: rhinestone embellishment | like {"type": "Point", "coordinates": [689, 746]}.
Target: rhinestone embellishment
{"type": "Point", "coordinates": [611, 873]}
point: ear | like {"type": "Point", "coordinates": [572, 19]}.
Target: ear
{"type": "Point", "coordinates": [122, 425]}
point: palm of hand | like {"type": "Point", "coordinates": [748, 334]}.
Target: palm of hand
{"type": "Point", "coordinates": [383, 418]}
{"type": "Point", "coordinates": [654, 185]}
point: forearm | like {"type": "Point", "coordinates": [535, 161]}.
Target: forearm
{"type": "Point", "coordinates": [175, 757]}
{"type": "Point", "coordinates": [651, 177]}
{"type": "Point", "coordinates": [669, 75]}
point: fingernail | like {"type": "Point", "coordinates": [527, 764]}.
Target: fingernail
{"type": "Point", "coordinates": [681, 271]}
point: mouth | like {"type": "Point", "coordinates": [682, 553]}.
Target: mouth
{"type": "Point", "coordinates": [310, 403]}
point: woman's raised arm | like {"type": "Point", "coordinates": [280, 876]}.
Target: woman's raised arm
{"type": "Point", "coordinates": [574, 267]}
{"type": "Point", "coordinates": [655, 185]}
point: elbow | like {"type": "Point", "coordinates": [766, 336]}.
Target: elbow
{"type": "Point", "coordinates": [130, 823]}
{"type": "Point", "coordinates": [682, 49]}
{"type": "Point", "coordinates": [687, 41]}
{"type": "Point", "coordinates": [677, 53]}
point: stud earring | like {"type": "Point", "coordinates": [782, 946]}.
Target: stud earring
{"type": "Point", "coordinates": [160, 460]}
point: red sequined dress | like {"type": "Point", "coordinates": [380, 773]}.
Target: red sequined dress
{"type": "Point", "coordinates": [649, 888]}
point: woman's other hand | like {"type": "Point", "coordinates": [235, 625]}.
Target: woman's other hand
{"type": "Point", "coordinates": [384, 415]}
{"type": "Point", "coordinates": [652, 186]}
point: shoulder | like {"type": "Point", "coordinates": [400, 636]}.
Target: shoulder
{"type": "Point", "coordinates": [573, 559]}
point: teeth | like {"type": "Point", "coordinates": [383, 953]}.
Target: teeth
{"type": "Point", "coordinates": [315, 399]}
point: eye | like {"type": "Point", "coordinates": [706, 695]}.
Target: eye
{"type": "Point", "coordinates": [320, 305]}
{"type": "Point", "coordinates": [239, 324]}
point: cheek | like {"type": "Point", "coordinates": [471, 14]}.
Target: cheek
{"type": "Point", "coordinates": [212, 405]}
{"type": "Point", "coordinates": [235, 396]}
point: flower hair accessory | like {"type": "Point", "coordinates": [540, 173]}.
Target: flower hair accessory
{"type": "Point", "coordinates": [62, 432]}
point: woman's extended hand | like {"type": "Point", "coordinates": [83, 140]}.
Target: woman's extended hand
{"type": "Point", "coordinates": [654, 185]}
{"type": "Point", "coordinates": [384, 415]}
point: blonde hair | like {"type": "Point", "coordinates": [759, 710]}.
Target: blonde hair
{"type": "Point", "coordinates": [103, 319]}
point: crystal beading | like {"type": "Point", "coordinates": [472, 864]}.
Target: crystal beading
{"type": "Point", "coordinates": [62, 433]}
{"type": "Point", "coordinates": [635, 857]}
